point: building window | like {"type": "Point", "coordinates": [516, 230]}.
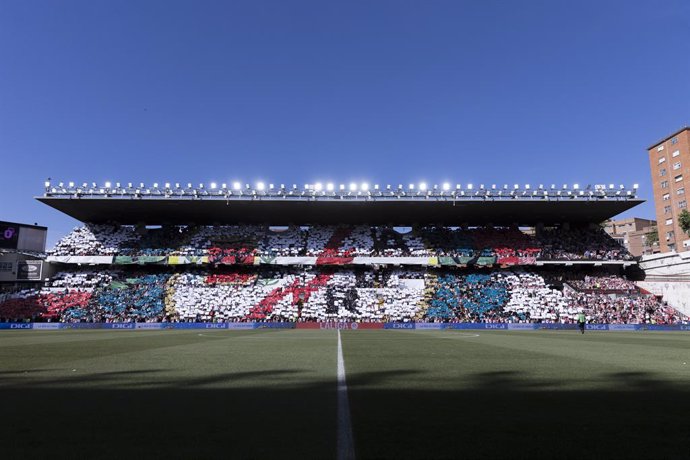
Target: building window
{"type": "Point", "coordinates": [676, 153]}
{"type": "Point", "coordinates": [669, 236]}
{"type": "Point", "coordinates": [678, 178]}
{"type": "Point", "coordinates": [662, 172]}
{"type": "Point", "coordinates": [669, 221]}
{"type": "Point", "coordinates": [683, 204]}
{"type": "Point", "coordinates": [668, 197]}
{"type": "Point", "coordinates": [662, 159]}
{"type": "Point", "coordinates": [667, 209]}
{"type": "Point", "coordinates": [680, 191]}
{"type": "Point", "coordinates": [5, 266]}
{"type": "Point", "coordinates": [664, 184]}
{"type": "Point", "coordinates": [660, 148]}
{"type": "Point", "coordinates": [674, 141]}
{"type": "Point", "coordinates": [671, 247]}
{"type": "Point", "coordinates": [676, 165]}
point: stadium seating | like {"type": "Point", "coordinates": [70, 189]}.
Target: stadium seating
{"type": "Point", "coordinates": [327, 294]}
{"type": "Point", "coordinates": [337, 245]}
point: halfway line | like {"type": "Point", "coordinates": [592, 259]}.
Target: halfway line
{"type": "Point", "coordinates": [345, 443]}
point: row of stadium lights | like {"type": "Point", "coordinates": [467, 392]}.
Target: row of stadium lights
{"type": "Point", "coordinates": [422, 188]}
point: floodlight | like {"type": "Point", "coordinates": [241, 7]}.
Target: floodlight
{"type": "Point", "coordinates": [318, 186]}
{"type": "Point", "coordinates": [636, 186]}
{"type": "Point", "coordinates": [422, 186]}
{"type": "Point", "coordinates": [576, 186]}
{"type": "Point", "coordinates": [107, 184]}
{"type": "Point", "coordinates": [611, 186]}
{"type": "Point", "coordinates": [446, 186]}
{"type": "Point", "coordinates": [213, 185]}
{"type": "Point", "coordinates": [470, 186]}
{"type": "Point", "coordinates": [71, 184]}
{"type": "Point", "coordinates": [224, 186]}
{"type": "Point", "coordinates": [270, 186]}
{"type": "Point", "coordinates": [411, 187]}
{"type": "Point", "coordinates": [376, 186]}
{"type": "Point", "coordinates": [260, 186]}
{"type": "Point", "coordinates": [341, 187]}
{"type": "Point", "coordinates": [167, 185]}
{"type": "Point", "coordinates": [364, 186]}
{"type": "Point", "coordinates": [353, 186]}
{"type": "Point", "coordinates": [236, 185]}
{"type": "Point", "coordinates": [329, 186]}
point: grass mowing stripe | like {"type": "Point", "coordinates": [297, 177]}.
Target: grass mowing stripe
{"type": "Point", "coordinates": [345, 442]}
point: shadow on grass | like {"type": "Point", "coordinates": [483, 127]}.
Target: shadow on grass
{"type": "Point", "coordinates": [499, 415]}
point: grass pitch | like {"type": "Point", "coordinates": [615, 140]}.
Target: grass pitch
{"type": "Point", "coordinates": [412, 394]}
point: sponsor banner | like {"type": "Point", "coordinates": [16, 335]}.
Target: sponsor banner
{"type": "Point", "coordinates": [369, 326]}
{"type": "Point", "coordinates": [557, 326]}
{"type": "Point", "coordinates": [29, 270]}
{"type": "Point", "coordinates": [15, 325]}
{"type": "Point", "coordinates": [47, 326]}
{"type": "Point", "coordinates": [476, 326]}
{"type": "Point", "coordinates": [429, 326]}
{"type": "Point", "coordinates": [623, 327]}
{"type": "Point", "coordinates": [308, 326]}
{"type": "Point", "coordinates": [118, 325]}
{"type": "Point", "coordinates": [153, 325]}
{"type": "Point", "coordinates": [274, 325]}
{"type": "Point", "coordinates": [82, 325]}
{"type": "Point", "coordinates": [597, 327]}
{"type": "Point", "coordinates": [240, 326]}
{"type": "Point", "coordinates": [340, 325]}
{"type": "Point", "coordinates": [522, 326]}
{"type": "Point", "coordinates": [198, 325]}
{"type": "Point", "coordinates": [398, 326]}
{"type": "Point", "coordinates": [664, 327]}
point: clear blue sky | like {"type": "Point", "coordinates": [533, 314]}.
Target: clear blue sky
{"type": "Point", "coordinates": [396, 91]}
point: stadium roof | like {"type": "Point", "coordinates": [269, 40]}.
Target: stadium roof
{"type": "Point", "coordinates": [467, 207]}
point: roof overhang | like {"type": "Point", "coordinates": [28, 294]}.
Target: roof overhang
{"type": "Point", "coordinates": [305, 211]}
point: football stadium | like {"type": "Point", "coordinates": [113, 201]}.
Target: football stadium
{"type": "Point", "coordinates": [342, 321]}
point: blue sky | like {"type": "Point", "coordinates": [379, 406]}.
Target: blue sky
{"type": "Point", "coordinates": [479, 91]}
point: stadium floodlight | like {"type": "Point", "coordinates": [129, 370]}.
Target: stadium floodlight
{"type": "Point", "coordinates": [527, 186]}
{"type": "Point", "coordinates": [470, 186]}
{"type": "Point", "coordinates": [364, 186]}
{"type": "Point", "coordinates": [330, 186]}
{"type": "Point", "coordinates": [446, 186]}
{"type": "Point", "coordinates": [411, 187]}
{"type": "Point", "coordinates": [47, 183]}
{"type": "Point", "coordinates": [236, 186]}
{"type": "Point", "coordinates": [611, 186]}
{"type": "Point", "coordinates": [167, 185]}
{"type": "Point", "coordinates": [270, 186]}
{"type": "Point", "coordinates": [213, 185]}
{"type": "Point", "coordinates": [341, 187]}
{"type": "Point", "coordinates": [224, 186]}
{"type": "Point", "coordinates": [376, 186]}
{"type": "Point", "coordinates": [353, 186]}
{"type": "Point", "coordinates": [71, 184]}
{"type": "Point", "coordinates": [400, 186]}
{"type": "Point", "coordinates": [422, 186]}
{"type": "Point", "coordinates": [177, 185]}
{"type": "Point", "coordinates": [318, 186]}
{"type": "Point", "coordinates": [553, 186]}
{"type": "Point", "coordinates": [493, 186]}
{"type": "Point", "coordinates": [636, 186]}
{"type": "Point", "coordinates": [576, 186]}
{"type": "Point", "coordinates": [516, 186]}
{"type": "Point", "coordinates": [107, 184]}
{"type": "Point", "coordinates": [260, 186]}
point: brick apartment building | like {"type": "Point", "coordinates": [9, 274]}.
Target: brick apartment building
{"type": "Point", "coordinates": [669, 161]}
{"type": "Point", "coordinates": [632, 234]}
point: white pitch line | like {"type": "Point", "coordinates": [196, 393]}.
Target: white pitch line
{"type": "Point", "coordinates": [345, 442]}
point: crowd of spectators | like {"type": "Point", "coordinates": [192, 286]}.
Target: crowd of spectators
{"type": "Point", "coordinates": [368, 295]}
{"type": "Point", "coordinates": [225, 244]}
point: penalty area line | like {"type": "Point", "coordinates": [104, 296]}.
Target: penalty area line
{"type": "Point", "coordinates": [345, 442]}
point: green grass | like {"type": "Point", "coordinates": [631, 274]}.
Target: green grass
{"type": "Point", "coordinates": [413, 394]}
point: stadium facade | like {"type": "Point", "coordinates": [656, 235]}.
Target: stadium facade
{"type": "Point", "coordinates": [337, 253]}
